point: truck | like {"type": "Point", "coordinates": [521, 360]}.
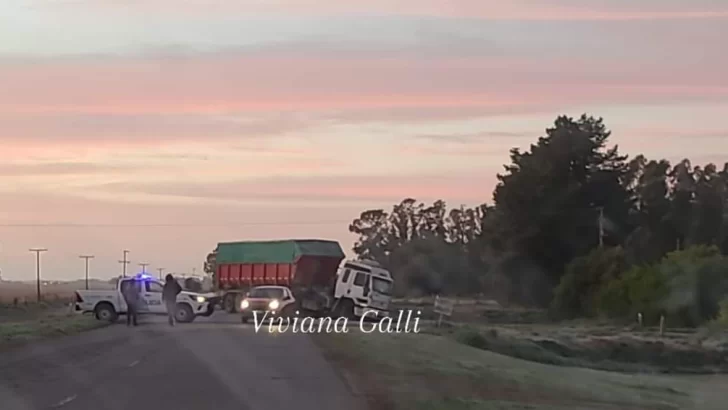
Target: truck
{"type": "Point", "coordinates": [108, 305]}
{"type": "Point", "coordinates": [310, 275]}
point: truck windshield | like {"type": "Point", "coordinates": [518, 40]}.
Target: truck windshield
{"type": "Point", "coordinates": [266, 293]}
{"type": "Point", "coordinates": [381, 286]}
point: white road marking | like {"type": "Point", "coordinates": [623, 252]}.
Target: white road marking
{"type": "Point", "coordinates": [65, 401]}
{"type": "Point", "coordinates": [134, 363]}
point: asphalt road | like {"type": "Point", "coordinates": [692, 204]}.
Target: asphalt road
{"type": "Point", "coordinates": [213, 363]}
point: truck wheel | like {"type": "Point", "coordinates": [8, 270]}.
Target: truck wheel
{"type": "Point", "coordinates": [345, 309]}
{"type": "Point", "coordinates": [184, 313]}
{"type": "Point", "coordinates": [289, 311]}
{"type": "Point", "coordinates": [106, 312]}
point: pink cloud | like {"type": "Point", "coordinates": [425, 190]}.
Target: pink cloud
{"type": "Point", "coordinates": [468, 188]}
{"type": "Point", "coordinates": [320, 84]}
{"type": "Point", "coordinates": [527, 10]}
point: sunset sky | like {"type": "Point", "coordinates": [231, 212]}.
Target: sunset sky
{"type": "Point", "coordinates": [267, 119]}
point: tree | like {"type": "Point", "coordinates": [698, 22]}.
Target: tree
{"type": "Point", "coordinates": [653, 236]}
{"type": "Point", "coordinates": [708, 213]}
{"type": "Point", "coordinates": [549, 197]}
{"type": "Point", "coordinates": [424, 246]}
{"type": "Point", "coordinates": [210, 265]}
{"type": "Point", "coordinates": [552, 206]}
{"type": "Point", "coordinates": [375, 241]}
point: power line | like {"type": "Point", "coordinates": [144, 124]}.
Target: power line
{"type": "Point", "coordinates": [175, 225]}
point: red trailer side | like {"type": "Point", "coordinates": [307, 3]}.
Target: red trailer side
{"type": "Point", "coordinates": [293, 263]}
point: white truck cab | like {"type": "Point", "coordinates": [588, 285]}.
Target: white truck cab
{"type": "Point", "coordinates": [109, 304]}
{"type": "Point", "coordinates": [363, 286]}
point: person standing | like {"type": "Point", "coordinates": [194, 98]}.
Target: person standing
{"type": "Point", "coordinates": [169, 295]}
{"type": "Point", "coordinates": [131, 293]}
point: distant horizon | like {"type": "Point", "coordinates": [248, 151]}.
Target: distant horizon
{"type": "Point", "coordinates": [224, 121]}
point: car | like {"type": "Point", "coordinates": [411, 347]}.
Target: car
{"type": "Point", "coordinates": [108, 305]}
{"type": "Point", "coordinates": [274, 300]}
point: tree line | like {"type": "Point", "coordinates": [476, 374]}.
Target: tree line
{"type": "Point", "coordinates": [570, 217]}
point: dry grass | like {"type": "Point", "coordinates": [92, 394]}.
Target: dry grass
{"type": "Point", "coordinates": [422, 371]}
{"type": "Point", "coordinates": [17, 293]}
{"type": "Point", "coordinates": [530, 334]}
{"type": "Point", "coordinates": [45, 324]}
{"type": "Point", "coordinates": [23, 319]}
{"type": "Point", "coordinates": [488, 357]}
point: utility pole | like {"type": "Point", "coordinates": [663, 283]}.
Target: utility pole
{"type": "Point", "coordinates": [37, 269]}
{"type": "Point", "coordinates": [87, 257]}
{"type": "Point", "coordinates": [144, 267]}
{"type": "Point", "coordinates": [160, 272]}
{"type": "Point", "coordinates": [124, 262]}
{"type": "Point", "coordinates": [601, 226]}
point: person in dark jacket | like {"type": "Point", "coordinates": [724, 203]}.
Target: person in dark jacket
{"type": "Point", "coordinates": [132, 295]}
{"type": "Point", "coordinates": [169, 295]}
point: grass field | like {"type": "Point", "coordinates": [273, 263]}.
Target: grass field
{"type": "Point", "coordinates": [424, 371]}
{"type": "Point", "coordinates": [489, 357]}
{"type": "Point", "coordinates": [23, 319]}
{"type": "Point", "coordinates": [531, 335]}
{"type": "Point", "coordinates": [12, 293]}
{"type": "Point", "coordinates": [18, 332]}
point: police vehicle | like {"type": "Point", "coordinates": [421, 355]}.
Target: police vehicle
{"type": "Point", "coordinates": [108, 305]}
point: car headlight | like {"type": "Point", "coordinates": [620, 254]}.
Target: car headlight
{"type": "Point", "coordinates": [201, 299]}
{"type": "Point", "coordinates": [273, 305]}
{"type": "Point", "coordinates": [244, 304]}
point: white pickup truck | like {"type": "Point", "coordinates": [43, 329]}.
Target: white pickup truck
{"type": "Point", "coordinates": [109, 304]}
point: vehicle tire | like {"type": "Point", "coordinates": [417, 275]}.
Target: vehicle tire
{"type": "Point", "coordinates": [210, 310]}
{"type": "Point", "coordinates": [106, 312]}
{"type": "Point", "coordinates": [346, 309]}
{"type": "Point", "coordinates": [228, 303]}
{"type": "Point", "coordinates": [289, 310]}
{"type": "Point", "coordinates": [184, 313]}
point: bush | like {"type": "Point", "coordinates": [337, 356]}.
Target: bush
{"type": "Point", "coordinates": [723, 313]}
{"type": "Point", "coordinates": [585, 277]}
{"type": "Point", "coordinates": [698, 282]}
{"type": "Point", "coordinates": [687, 286]}
{"type": "Point", "coordinates": [642, 289]}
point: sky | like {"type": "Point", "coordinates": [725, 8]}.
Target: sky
{"type": "Point", "coordinates": [268, 119]}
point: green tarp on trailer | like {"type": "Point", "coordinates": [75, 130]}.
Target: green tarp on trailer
{"type": "Point", "coordinates": [287, 251]}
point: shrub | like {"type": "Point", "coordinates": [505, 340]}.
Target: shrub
{"type": "Point", "coordinates": [698, 282]}
{"type": "Point", "coordinates": [585, 277]}
{"type": "Point", "coordinates": [723, 313]}
{"type": "Point", "coordinates": [642, 289]}
{"type": "Point", "coordinates": [687, 286]}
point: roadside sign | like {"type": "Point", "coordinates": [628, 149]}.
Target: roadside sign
{"type": "Point", "coordinates": [443, 307]}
